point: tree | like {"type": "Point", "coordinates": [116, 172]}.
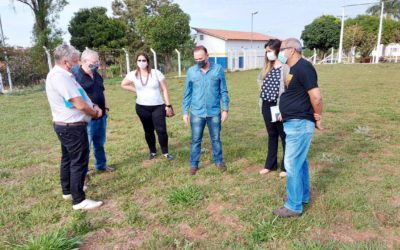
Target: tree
{"type": "Point", "coordinates": [46, 13]}
{"type": "Point", "coordinates": [94, 29]}
{"type": "Point", "coordinates": [130, 12]}
{"type": "Point", "coordinates": [45, 32]}
{"type": "Point", "coordinates": [391, 9]}
{"type": "Point", "coordinates": [369, 26]}
{"type": "Point", "coordinates": [323, 34]}
{"type": "Point", "coordinates": [166, 30]}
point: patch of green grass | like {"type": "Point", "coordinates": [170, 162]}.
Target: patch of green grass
{"type": "Point", "coordinates": [332, 245]}
{"type": "Point", "coordinates": [186, 195]}
{"type": "Point", "coordinates": [57, 241]}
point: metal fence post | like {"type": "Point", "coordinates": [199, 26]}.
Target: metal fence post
{"type": "Point", "coordinates": [179, 62]}
{"type": "Point", "coordinates": [155, 58]}
{"type": "Point", "coordinates": [48, 57]}
{"type": "Point", "coordinates": [128, 64]}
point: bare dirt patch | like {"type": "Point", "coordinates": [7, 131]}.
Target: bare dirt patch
{"type": "Point", "coordinates": [253, 169]}
{"type": "Point", "coordinates": [343, 233]}
{"type": "Point", "coordinates": [119, 238]}
{"type": "Point", "coordinates": [114, 208]}
{"type": "Point", "coordinates": [216, 211]}
{"type": "Point", "coordinates": [373, 178]}
{"type": "Point", "coordinates": [396, 201]}
{"type": "Point", "coordinates": [192, 234]}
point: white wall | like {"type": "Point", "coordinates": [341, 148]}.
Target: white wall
{"type": "Point", "coordinates": [240, 44]}
{"type": "Point", "coordinates": [213, 44]}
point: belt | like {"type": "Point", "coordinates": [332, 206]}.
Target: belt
{"type": "Point", "coordinates": [70, 124]}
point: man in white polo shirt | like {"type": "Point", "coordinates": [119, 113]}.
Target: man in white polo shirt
{"type": "Point", "coordinates": [71, 109]}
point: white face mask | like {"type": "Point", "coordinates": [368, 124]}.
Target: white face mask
{"type": "Point", "coordinates": [142, 65]}
{"type": "Point", "coordinates": [271, 56]}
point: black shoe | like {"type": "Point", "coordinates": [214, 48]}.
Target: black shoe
{"type": "Point", "coordinates": [168, 157]}
{"type": "Point", "coordinates": [151, 156]}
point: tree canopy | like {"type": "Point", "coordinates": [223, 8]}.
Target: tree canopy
{"type": "Point", "coordinates": [130, 12]}
{"type": "Point", "coordinates": [46, 13]}
{"type": "Point", "coordinates": [390, 7]}
{"type": "Point", "coordinates": [323, 34]}
{"type": "Point", "coordinates": [166, 30]}
{"type": "Point", "coordinates": [94, 29]}
{"type": "Point", "coordinates": [362, 32]}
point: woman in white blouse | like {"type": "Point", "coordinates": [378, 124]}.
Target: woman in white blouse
{"type": "Point", "coordinates": [150, 106]}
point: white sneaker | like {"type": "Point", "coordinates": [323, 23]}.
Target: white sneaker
{"type": "Point", "coordinates": [67, 196]}
{"type": "Point", "coordinates": [282, 174]}
{"type": "Point", "coordinates": [87, 205]}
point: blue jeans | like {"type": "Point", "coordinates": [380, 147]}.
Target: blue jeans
{"type": "Point", "coordinates": [97, 138]}
{"type": "Point", "coordinates": [298, 139]}
{"type": "Point", "coordinates": [197, 124]}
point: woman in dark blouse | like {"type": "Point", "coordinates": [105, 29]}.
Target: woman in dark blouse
{"type": "Point", "coordinates": [273, 77]}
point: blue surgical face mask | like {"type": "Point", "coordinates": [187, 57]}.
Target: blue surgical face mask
{"type": "Point", "coordinates": [282, 58]}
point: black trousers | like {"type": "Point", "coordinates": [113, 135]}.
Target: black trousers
{"type": "Point", "coordinates": [74, 159]}
{"type": "Point", "coordinates": [153, 118]}
{"type": "Point", "coordinates": [275, 130]}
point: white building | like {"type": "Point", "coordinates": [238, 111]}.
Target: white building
{"type": "Point", "coordinates": [233, 49]}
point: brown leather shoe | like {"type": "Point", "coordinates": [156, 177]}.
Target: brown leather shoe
{"type": "Point", "coordinates": [283, 212]}
{"type": "Point", "coordinates": [192, 171]}
{"type": "Point", "coordinates": [221, 167]}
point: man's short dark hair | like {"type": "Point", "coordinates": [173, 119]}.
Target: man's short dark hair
{"type": "Point", "coordinates": [200, 47]}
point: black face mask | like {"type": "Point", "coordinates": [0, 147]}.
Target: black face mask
{"type": "Point", "coordinates": [201, 63]}
{"type": "Point", "coordinates": [93, 67]}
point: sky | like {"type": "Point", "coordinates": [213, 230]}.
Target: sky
{"type": "Point", "coordinates": [279, 18]}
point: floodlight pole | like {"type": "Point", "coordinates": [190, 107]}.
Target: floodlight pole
{"type": "Point", "coordinates": [341, 38]}
{"type": "Point", "coordinates": [252, 14]}
{"type": "Point", "coordinates": [378, 44]}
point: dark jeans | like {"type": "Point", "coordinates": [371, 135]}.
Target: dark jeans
{"type": "Point", "coordinates": [153, 118]}
{"type": "Point", "coordinates": [74, 159]}
{"type": "Point", "coordinates": [275, 130]}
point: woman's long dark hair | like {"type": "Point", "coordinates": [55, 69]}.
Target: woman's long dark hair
{"type": "Point", "coordinates": [275, 45]}
{"type": "Point", "coordinates": [148, 63]}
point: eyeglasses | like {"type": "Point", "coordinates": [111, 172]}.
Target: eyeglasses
{"type": "Point", "coordinates": [144, 60]}
{"type": "Point", "coordinates": [282, 49]}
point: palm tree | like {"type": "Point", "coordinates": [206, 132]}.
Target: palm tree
{"type": "Point", "coordinates": [391, 9]}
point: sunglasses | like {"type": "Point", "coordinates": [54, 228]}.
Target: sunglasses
{"type": "Point", "coordinates": [139, 60]}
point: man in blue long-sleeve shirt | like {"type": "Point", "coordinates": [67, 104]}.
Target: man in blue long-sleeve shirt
{"type": "Point", "coordinates": [206, 97]}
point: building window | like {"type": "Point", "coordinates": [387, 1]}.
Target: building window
{"type": "Point", "coordinates": [201, 37]}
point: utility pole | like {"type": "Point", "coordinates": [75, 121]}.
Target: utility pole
{"type": "Point", "coordinates": [378, 44]}
{"type": "Point", "coordinates": [252, 15]}
{"type": "Point", "coordinates": [5, 55]}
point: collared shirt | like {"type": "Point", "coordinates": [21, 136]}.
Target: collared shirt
{"type": "Point", "coordinates": [94, 87]}
{"type": "Point", "coordinates": [204, 92]}
{"type": "Point", "coordinates": [60, 88]}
